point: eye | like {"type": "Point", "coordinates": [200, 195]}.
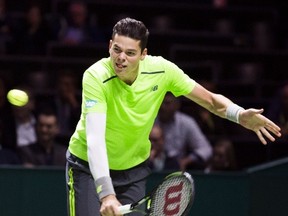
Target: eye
{"type": "Point", "coordinates": [131, 53]}
{"type": "Point", "coordinates": [117, 49]}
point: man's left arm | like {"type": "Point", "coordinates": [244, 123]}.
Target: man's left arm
{"type": "Point", "coordinates": [221, 106]}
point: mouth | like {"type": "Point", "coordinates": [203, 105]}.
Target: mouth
{"type": "Point", "coordinates": [120, 66]}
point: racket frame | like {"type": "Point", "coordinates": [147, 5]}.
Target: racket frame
{"type": "Point", "coordinates": [125, 209]}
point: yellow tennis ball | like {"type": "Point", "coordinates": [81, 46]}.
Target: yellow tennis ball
{"type": "Point", "coordinates": [17, 97]}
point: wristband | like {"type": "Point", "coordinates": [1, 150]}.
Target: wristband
{"type": "Point", "coordinates": [232, 112]}
{"type": "Point", "coordinates": [104, 187]}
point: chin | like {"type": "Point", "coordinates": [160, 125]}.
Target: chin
{"type": "Point", "coordinates": [120, 71]}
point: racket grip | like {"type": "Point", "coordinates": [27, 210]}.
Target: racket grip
{"type": "Point", "coordinates": [125, 209]}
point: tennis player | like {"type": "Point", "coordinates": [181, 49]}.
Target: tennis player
{"type": "Point", "coordinates": [108, 152]}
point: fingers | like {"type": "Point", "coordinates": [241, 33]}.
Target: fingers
{"type": "Point", "coordinates": [261, 138]}
{"type": "Point", "coordinates": [262, 126]}
{"type": "Point", "coordinates": [267, 134]}
{"type": "Point", "coordinates": [256, 111]}
{"type": "Point", "coordinates": [263, 131]}
{"type": "Point", "coordinates": [109, 206]}
{"type": "Point", "coordinates": [110, 212]}
{"type": "Point", "coordinates": [273, 128]}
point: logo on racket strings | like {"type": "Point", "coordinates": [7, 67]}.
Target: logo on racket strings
{"type": "Point", "coordinates": [173, 199]}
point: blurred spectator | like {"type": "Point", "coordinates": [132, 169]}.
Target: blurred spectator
{"type": "Point", "coordinates": [7, 129]}
{"type": "Point", "coordinates": [32, 33]}
{"type": "Point", "coordinates": [78, 28]}
{"type": "Point", "coordinates": [24, 120]}
{"type": "Point", "coordinates": [263, 35]}
{"type": "Point", "coordinates": [249, 72]}
{"type": "Point", "coordinates": [185, 144]}
{"type": "Point", "coordinates": [220, 4]}
{"type": "Point", "coordinates": [46, 151]}
{"type": "Point", "coordinates": [5, 27]}
{"type": "Point", "coordinates": [162, 23]}
{"type": "Point", "coordinates": [66, 102]}
{"type": "Point", "coordinates": [223, 158]}
{"type": "Point", "coordinates": [157, 156]}
{"type": "Point", "coordinates": [211, 125]}
{"type": "Point", "coordinates": [17, 126]}
{"type": "Point", "coordinates": [39, 80]}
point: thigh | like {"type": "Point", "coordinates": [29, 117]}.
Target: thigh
{"type": "Point", "coordinates": [82, 199]}
{"type": "Point", "coordinates": [131, 193]}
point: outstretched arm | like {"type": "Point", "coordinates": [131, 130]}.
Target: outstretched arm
{"type": "Point", "coordinates": [251, 119]}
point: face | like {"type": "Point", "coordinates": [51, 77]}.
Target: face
{"type": "Point", "coordinates": [47, 128]}
{"type": "Point", "coordinates": [125, 55]}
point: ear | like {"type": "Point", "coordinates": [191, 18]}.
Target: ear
{"type": "Point", "coordinates": [144, 53]}
{"type": "Point", "coordinates": [110, 44]}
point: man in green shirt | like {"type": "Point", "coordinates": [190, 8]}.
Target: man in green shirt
{"type": "Point", "coordinates": [108, 152]}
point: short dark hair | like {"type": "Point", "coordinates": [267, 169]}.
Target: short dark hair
{"type": "Point", "coordinates": [132, 28]}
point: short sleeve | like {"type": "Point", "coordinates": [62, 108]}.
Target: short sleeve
{"type": "Point", "coordinates": [93, 95]}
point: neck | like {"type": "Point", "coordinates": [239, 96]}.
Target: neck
{"type": "Point", "coordinates": [129, 80]}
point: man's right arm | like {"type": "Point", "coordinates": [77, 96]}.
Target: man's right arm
{"type": "Point", "coordinates": [98, 162]}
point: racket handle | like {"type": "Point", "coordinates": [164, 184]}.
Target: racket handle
{"type": "Point", "coordinates": [125, 209]}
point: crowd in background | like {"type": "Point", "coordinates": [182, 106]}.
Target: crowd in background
{"type": "Point", "coordinates": [38, 133]}
{"type": "Point", "coordinates": [31, 32]}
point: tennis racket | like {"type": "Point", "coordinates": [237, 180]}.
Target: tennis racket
{"type": "Point", "coordinates": [173, 197]}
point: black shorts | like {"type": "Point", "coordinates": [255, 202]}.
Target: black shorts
{"type": "Point", "coordinates": [82, 199]}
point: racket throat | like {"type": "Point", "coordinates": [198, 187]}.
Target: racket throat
{"type": "Point", "coordinates": [142, 206]}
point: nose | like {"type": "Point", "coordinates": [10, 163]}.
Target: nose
{"type": "Point", "coordinates": [122, 56]}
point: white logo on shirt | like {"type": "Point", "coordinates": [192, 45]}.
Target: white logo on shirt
{"type": "Point", "coordinates": [90, 103]}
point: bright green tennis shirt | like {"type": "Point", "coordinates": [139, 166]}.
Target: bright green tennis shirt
{"type": "Point", "coordinates": [131, 110]}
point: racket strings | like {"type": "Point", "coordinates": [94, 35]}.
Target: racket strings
{"type": "Point", "coordinates": [172, 197]}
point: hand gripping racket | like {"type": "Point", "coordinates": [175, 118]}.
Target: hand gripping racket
{"type": "Point", "coordinates": [173, 197]}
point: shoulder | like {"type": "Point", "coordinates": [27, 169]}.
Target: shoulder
{"type": "Point", "coordinates": [150, 58]}
{"type": "Point", "coordinates": [102, 66]}
{"type": "Point", "coordinates": [156, 61]}
{"type": "Point", "coordinates": [100, 70]}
